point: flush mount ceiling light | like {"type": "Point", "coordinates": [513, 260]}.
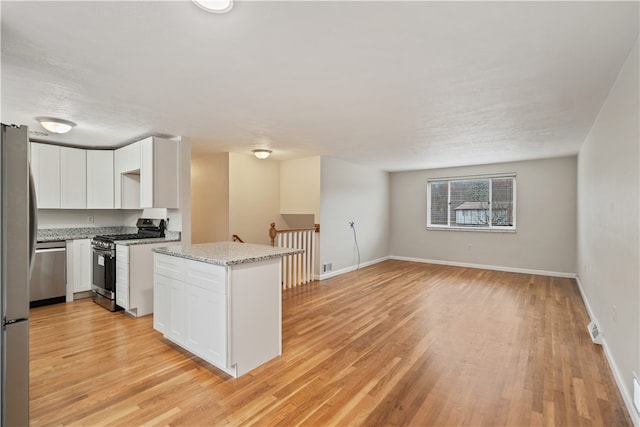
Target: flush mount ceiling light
{"type": "Point", "coordinates": [214, 6]}
{"type": "Point", "coordinates": [261, 153]}
{"type": "Point", "coordinates": [54, 125]}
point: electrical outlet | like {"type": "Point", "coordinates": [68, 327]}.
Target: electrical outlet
{"type": "Point", "coordinates": [327, 267]}
{"type": "Point", "coordinates": [90, 219]}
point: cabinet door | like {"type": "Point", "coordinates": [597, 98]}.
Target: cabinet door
{"type": "Point", "coordinates": [82, 265]}
{"type": "Point", "coordinates": [146, 173]}
{"type": "Point", "coordinates": [122, 284]}
{"type": "Point", "coordinates": [206, 329]}
{"type": "Point", "coordinates": [100, 180]}
{"type": "Point", "coordinates": [73, 178]}
{"type": "Point", "coordinates": [159, 173]}
{"type": "Point", "coordinates": [160, 303]}
{"type": "Point", "coordinates": [45, 165]}
{"type": "Point", "coordinates": [177, 313]}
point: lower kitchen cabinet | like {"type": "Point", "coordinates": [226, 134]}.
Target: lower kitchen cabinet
{"type": "Point", "coordinates": [206, 325]}
{"type": "Point", "coordinates": [161, 303]}
{"type": "Point", "coordinates": [229, 316]}
{"type": "Point", "coordinates": [79, 265]}
{"type": "Point", "coordinates": [134, 277]}
{"type": "Point", "coordinates": [176, 318]}
{"type": "Point", "coordinates": [122, 276]}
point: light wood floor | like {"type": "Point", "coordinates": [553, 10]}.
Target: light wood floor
{"type": "Point", "coordinates": [396, 343]}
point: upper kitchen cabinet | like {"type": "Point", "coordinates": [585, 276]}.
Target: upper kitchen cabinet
{"type": "Point", "coordinates": [100, 182]}
{"type": "Point", "coordinates": [73, 178]}
{"type": "Point", "coordinates": [158, 173]}
{"type": "Point", "coordinates": [126, 179]}
{"type": "Point", "coordinates": [45, 167]}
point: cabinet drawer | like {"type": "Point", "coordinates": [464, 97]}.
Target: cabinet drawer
{"type": "Point", "coordinates": [169, 266]}
{"type": "Point", "coordinates": [206, 276]}
{"type": "Point", "coordinates": [122, 253]}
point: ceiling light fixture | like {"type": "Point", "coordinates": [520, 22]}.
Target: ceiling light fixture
{"type": "Point", "coordinates": [261, 153]}
{"type": "Point", "coordinates": [54, 125]}
{"type": "Point", "coordinates": [214, 6]}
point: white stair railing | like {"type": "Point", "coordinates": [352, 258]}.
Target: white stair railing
{"type": "Point", "coordinates": [296, 269]}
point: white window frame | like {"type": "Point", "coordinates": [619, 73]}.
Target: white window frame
{"type": "Point", "coordinates": [491, 227]}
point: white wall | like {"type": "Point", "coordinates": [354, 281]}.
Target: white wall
{"type": "Point", "coordinates": [356, 193]}
{"type": "Point", "coordinates": [545, 240]}
{"type": "Point", "coordinates": [608, 216]}
{"type": "Point", "coordinates": [300, 186]}
{"type": "Point", "coordinates": [210, 198]}
{"type": "Point", "coordinates": [254, 197]}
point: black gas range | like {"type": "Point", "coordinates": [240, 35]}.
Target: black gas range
{"type": "Point", "coordinates": [147, 229]}
{"type": "Point", "coordinates": [103, 248]}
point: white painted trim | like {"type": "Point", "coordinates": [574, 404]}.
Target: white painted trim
{"type": "Point", "coordinates": [590, 311]}
{"type": "Point", "coordinates": [617, 376]}
{"type": "Point", "coordinates": [349, 269]}
{"type": "Point", "coordinates": [487, 267]}
{"type": "Point", "coordinates": [626, 393]}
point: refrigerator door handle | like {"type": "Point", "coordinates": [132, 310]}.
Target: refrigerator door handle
{"type": "Point", "coordinates": [33, 222]}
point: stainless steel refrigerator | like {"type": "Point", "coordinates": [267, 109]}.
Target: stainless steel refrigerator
{"type": "Point", "coordinates": [17, 235]}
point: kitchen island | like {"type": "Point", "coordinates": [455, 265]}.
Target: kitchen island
{"type": "Point", "coordinates": [221, 301]}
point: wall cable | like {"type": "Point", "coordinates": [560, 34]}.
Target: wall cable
{"type": "Point", "coordinates": [355, 241]}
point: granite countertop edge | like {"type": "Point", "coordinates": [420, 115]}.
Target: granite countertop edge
{"type": "Point", "coordinates": [228, 260]}
{"type": "Point", "coordinates": [147, 241]}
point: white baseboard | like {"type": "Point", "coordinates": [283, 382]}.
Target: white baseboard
{"type": "Point", "coordinates": [487, 267]}
{"type": "Point", "coordinates": [617, 376]}
{"type": "Point", "coordinates": [349, 269]}
{"type": "Point", "coordinates": [626, 393]}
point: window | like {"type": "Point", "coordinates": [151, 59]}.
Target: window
{"type": "Point", "coordinates": [475, 203]}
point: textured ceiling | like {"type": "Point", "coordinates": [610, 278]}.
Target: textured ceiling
{"type": "Point", "coordinates": [393, 85]}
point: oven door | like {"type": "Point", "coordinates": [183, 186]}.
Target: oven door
{"type": "Point", "coordinates": [104, 272]}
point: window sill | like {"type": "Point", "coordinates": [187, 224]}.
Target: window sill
{"type": "Point", "coordinates": [471, 229]}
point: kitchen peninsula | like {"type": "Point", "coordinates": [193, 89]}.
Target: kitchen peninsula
{"type": "Point", "coordinates": [221, 301]}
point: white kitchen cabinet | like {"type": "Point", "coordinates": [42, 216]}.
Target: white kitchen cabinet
{"type": "Point", "coordinates": [127, 158]}
{"type": "Point", "coordinates": [161, 304]}
{"type": "Point", "coordinates": [100, 183]}
{"type": "Point", "coordinates": [134, 277]}
{"type": "Point", "coordinates": [206, 325]}
{"type": "Point", "coordinates": [177, 315]}
{"type": "Point", "coordinates": [126, 178]}
{"type": "Point", "coordinates": [158, 173]}
{"type": "Point", "coordinates": [229, 316]}
{"type": "Point", "coordinates": [73, 178]}
{"type": "Point", "coordinates": [81, 265]}
{"type": "Point", "coordinates": [122, 276]}
{"type": "Point", "coordinates": [45, 167]}
{"type": "Point", "coordinates": [192, 306]}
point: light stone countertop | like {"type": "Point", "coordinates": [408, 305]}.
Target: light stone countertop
{"type": "Point", "coordinates": [170, 236]}
{"type": "Point", "coordinates": [227, 253]}
{"type": "Point", "coordinates": [75, 233]}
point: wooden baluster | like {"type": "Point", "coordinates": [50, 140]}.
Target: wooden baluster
{"type": "Point", "coordinates": [272, 233]}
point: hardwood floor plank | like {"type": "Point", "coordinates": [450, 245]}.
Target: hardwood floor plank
{"type": "Point", "coordinates": [396, 343]}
